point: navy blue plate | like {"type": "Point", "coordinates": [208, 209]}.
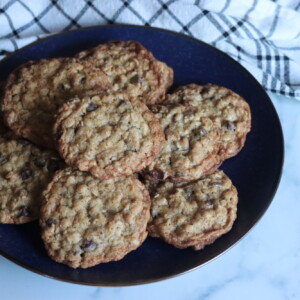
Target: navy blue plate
{"type": "Point", "coordinates": [255, 171]}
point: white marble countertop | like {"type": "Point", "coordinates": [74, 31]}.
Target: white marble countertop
{"type": "Point", "coordinates": [263, 265]}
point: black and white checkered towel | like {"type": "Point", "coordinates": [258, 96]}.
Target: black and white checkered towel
{"type": "Point", "coordinates": [262, 35]}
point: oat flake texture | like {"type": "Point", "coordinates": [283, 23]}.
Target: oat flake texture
{"type": "Point", "coordinates": [193, 214]}
{"type": "Point", "coordinates": [191, 147]}
{"type": "Point", "coordinates": [132, 69]}
{"type": "Point", "coordinates": [25, 170]}
{"type": "Point", "coordinates": [108, 135]}
{"type": "Point", "coordinates": [86, 221]}
{"type": "Point", "coordinates": [35, 90]}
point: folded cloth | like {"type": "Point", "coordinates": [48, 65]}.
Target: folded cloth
{"type": "Point", "coordinates": [263, 35]}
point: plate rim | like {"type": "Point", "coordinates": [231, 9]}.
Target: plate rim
{"type": "Point", "coordinates": [254, 221]}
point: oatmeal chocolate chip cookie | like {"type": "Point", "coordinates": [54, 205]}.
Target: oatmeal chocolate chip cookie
{"type": "Point", "coordinates": [86, 221]}
{"type": "Point", "coordinates": [193, 214]}
{"type": "Point", "coordinates": [227, 109]}
{"type": "Point", "coordinates": [35, 90]}
{"type": "Point", "coordinates": [25, 170]}
{"type": "Point", "coordinates": [191, 147]}
{"type": "Point", "coordinates": [131, 68]}
{"type": "Point", "coordinates": [108, 135]}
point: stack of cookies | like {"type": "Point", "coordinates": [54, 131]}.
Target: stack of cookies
{"type": "Point", "coordinates": [103, 156]}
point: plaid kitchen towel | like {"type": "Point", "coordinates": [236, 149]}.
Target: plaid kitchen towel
{"type": "Point", "coordinates": [263, 35]}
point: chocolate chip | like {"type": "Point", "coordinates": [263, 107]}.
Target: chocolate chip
{"type": "Point", "coordinates": [188, 113]}
{"type": "Point", "coordinates": [230, 125]}
{"type": "Point", "coordinates": [40, 162]}
{"type": "Point", "coordinates": [140, 177]}
{"type": "Point", "coordinates": [152, 192]}
{"type": "Point", "coordinates": [24, 212]}
{"type": "Point", "coordinates": [53, 165]}
{"type": "Point", "coordinates": [26, 174]}
{"type": "Point", "coordinates": [156, 174]}
{"type": "Point", "coordinates": [88, 245]}
{"type": "Point", "coordinates": [92, 106]}
{"type": "Point", "coordinates": [123, 104]}
{"type": "Point", "coordinates": [205, 90]}
{"type": "Point", "coordinates": [82, 80]}
{"type": "Point", "coordinates": [22, 141]}
{"type": "Point", "coordinates": [76, 129]}
{"type": "Point", "coordinates": [50, 222]}
{"type": "Point", "coordinates": [135, 79]}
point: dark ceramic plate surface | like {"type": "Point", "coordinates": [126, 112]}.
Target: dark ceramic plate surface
{"type": "Point", "coordinates": [255, 171]}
